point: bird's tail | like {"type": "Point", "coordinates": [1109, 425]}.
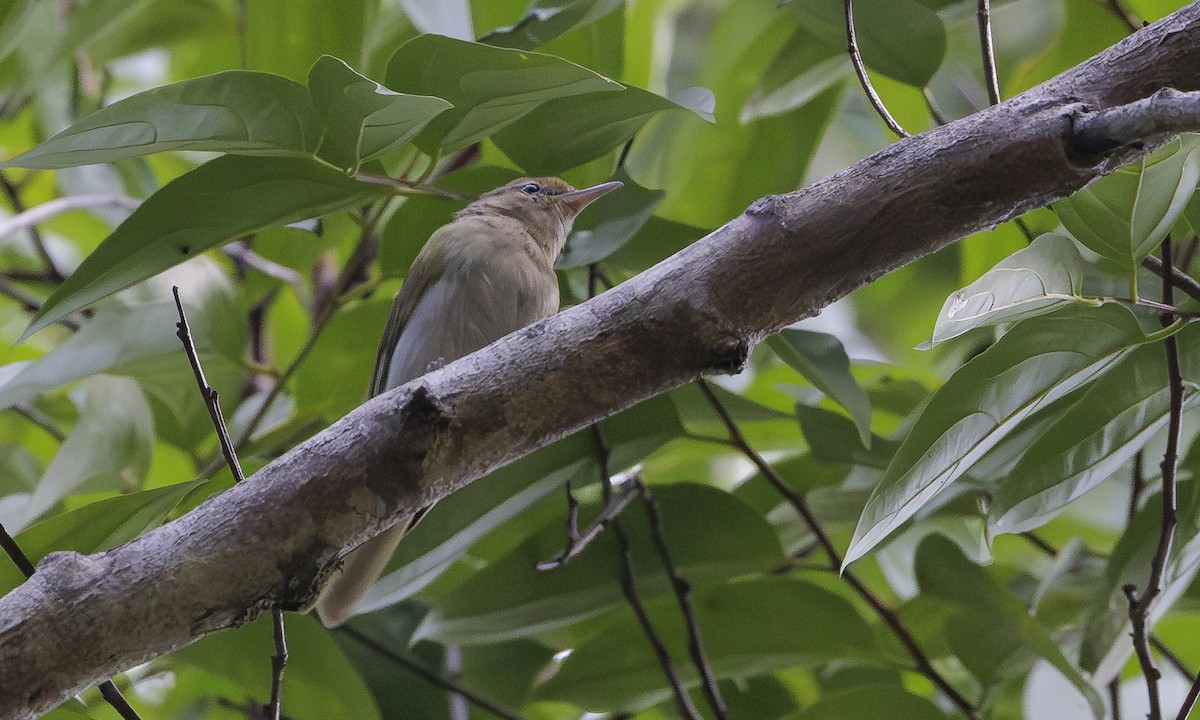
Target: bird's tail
{"type": "Point", "coordinates": [359, 571]}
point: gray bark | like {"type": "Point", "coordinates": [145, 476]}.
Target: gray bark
{"type": "Point", "coordinates": [275, 537]}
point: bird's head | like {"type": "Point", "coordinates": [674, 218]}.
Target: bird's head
{"type": "Point", "coordinates": [546, 206]}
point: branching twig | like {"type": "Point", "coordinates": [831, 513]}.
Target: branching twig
{"type": "Point", "coordinates": [428, 675]}
{"type": "Point", "coordinates": [576, 540]}
{"type": "Point", "coordinates": [28, 219]}
{"type": "Point", "coordinates": [35, 237]}
{"type": "Point", "coordinates": [212, 401]}
{"type": "Point", "coordinates": [861, 71]}
{"type": "Point", "coordinates": [108, 690]}
{"type": "Point", "coordinates": [683, 595]}
{"type": "Point", "coordinates": [1181, 280]}
{"type": "Point", "coordinates": [984, 16]}
{"type": "Point", "coordinates": [1165, 112]}
{"type": "Point", "coordinates": [797, 501]}
{"type": "Point", "coordinates": [29, 303]}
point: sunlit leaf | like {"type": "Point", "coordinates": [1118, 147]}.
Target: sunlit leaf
{"type": "Point", "coordinates": [363, 118]}
{"type": "Point", "coordinates": [1037, 362]}
{"type": "Point", "coordinates": [235, 111]}
{"type": "Point", "coordinates": [547, 19]}
{"type": "Point", "coordinates": [489, 87]}
{"type": "Point", "coordinates": [1033, 281]}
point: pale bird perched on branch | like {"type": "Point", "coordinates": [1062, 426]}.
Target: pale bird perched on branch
{"type": "Point", "coordinates": [486, 274]}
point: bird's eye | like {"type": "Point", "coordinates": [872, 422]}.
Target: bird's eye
{"type": "Point", "coordinates": [530, 188]}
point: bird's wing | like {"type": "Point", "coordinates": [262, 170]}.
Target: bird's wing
{"type": "Point", "coordinates": [489, 291]}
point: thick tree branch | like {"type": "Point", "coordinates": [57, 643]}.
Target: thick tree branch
{"type": "Point", "coordinates": [273, 539]}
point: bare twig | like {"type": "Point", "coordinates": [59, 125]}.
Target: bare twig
{"type": "Point", "coordinates": [428, 675]}
{"type": "Point", "coordinates": [108, 690]}
{"type": "Point", "coordinates": [1165, 112]}
{"type": "Point", "coordinates": [683, 595]}
{"type": "Point", "coordinates": [1126, 16]}
{"type": "Point", "coordinates": [984, 15]}
{"type": "Point", "coordinates": [39, 418]}
{"type": "Point", "coordinates": [938, 117]}
{"type": "Point", "coordinates": [1139, 603]}
{"type": "Point", "coordinates": [212, 401]}
{"type": "Point", "coordinates": [861, 71]}
{"type": "Point", "coordinates": [1137, 485]}
{"type": "Point", "coordinates": [1181, 280]}
{"type": "Point", "coordinates": [35, 237]}
{"type": "Point", "coordinates": [413, 187]}
{"type": "Point", "coordinates": [577, 541]}
{"type": "Point", "coordinates": [29, 303]}
{"type": "Point", "coordinates": [797, 501]}
{"type": "Point", "coordinates": [1114, 698]}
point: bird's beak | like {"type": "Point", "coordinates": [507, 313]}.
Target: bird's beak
{"type": "Point", "coordinates": [577, 200]}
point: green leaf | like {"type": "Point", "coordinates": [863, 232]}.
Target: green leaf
{"type": "Point", "coordinates": [567, 132]}
{"type": "Point", "coordinates": [803, 69]}
{"type": "Point", "coordinates": [1125, 215]}
{"type": "Point", "coordinates": [547, 19]}
{"type": "Point", "coordinates": [1037, 362]}
{"type": "Point", "coordinates": [237, 111]}
{"type": "Point", "coordinates": [832, 438]}
{"type": "Point", "coordinates": [992, 632]}
{"type": "Point", "coordinates": [901, 39]}
{"type": "Point", "coordinates": [98, 526]}
{"type": "Point", "coordinates": [457, 523]}
{"type": "Point", "coordinates": [748, 628]}
{"type": "Point", "coordinates": [871, 701]}
{"type": "Point", "coordinates": [610, 222]}
{"type": "Point", "coordinates": [233, 195]}
{"type": "Point", "coordinates": [364, 119]}
{"type": "Point", "coordinates": [712, 536]}
{"type": "Point", "coordinates": [286, 37]}
{"type": "Point", "coordinates": [1033, 281]}
{"type": "Point", "coordinates": [1091, 440]}
{"type": "Point", "coordinates": [319, 682]}
{"type": "Point", "coordinates": [489, 87]}
{"type": "Point", "coordinates": [822, 360]}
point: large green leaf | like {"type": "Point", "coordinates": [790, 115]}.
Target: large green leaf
{"type": "Point", "coordinates": [566, 132]}
{"type": "Point", "coordinates": [748, 628]}
{"type": "Point", "coordinates": [319, 682]}
{"type": "Point", "coordinates": [822, 360]}
{"type": "Point", "coordinates": [1032, 281]}
{"type": "Point", "coordinates": [871, 701]}
{"type": "Point", "coordinates": [901, 39]}
{"type": "Point", "coordinates": [489, 87]}
{"type": "Point", "coordinates": [712, 535]}
{"type": "Point", "coordinates": [1037, 362]}
{"type": "Point", "coordinates": [547, 19]}
{"type": "Point", "coordinates": [286, 37]}
{"type": "Point", "coordinates": [236, 111]}
{"type": "Point", "coordinates": [1091, 440]}
{"type": "Point", "coordinates": [991, 631]}
{"type": "Point", "coordinates": [98, 526]}
{"type": "Point", "coordinates": [1125, 215]}
{"type": "Point", "coordinates": [457, 522]}
{"type": "Point", "coordinates": [803, 69]}
{"type": "Point", "coordinates": [214, 203]}
{"type": "Point", "coordinates": [364, 119]}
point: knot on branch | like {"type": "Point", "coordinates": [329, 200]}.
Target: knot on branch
{"type": "Point", "coordinates": [729, 354]}
{"type": "Point", "coordinates": [68, 572]}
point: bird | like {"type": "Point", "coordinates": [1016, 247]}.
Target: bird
{"type": "Point", "coordinates": [487, 273]}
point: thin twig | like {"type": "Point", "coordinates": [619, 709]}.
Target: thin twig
{"type": "Point", "coordinates": [413, 187]}
{"type": "Point", "coordinates": [108, 690]}
{"type": "Point", "coordinates": [1137, 484]}
{"type": "Point", "coordinates": [1139, 603]}
{"type": "Point", "coordinates": [577, 541]}
{"type": "Point", "coordinates": [861, 71]}
{"type": "Point", "coordinates": [1182, 281]}
{"type": "Point", "coordinates": [1188, 254]}
{"type": "Point", "coordinates": [212, 400]}
{"type": "Point", "coordinates": [35, 237]}
{"type": "Point", "coordinates": [983, 14]}
{"type": "Point", "coordinates": [683, 595]}
{"type": "Point", "coordinates": [1167, 111]}
{"type": "Point", "coordinates": [1171, 657]}
{"type": "Point", "coordinates": [40, 419]}
{"type": "Point", "coordinates": [797, 501]}
{"type": "Point", "coordinates": [1125, 15]}
{"type": "Point", "coordinates": [683, 700]}
{"type": "Point", "coordinates": [428, 675]}
{"type": "Point", "coordinates": [934, 112]}
{"type": "Point", "coordinates": [1114, 698]}
{"type": "Point", "coordinates": [29, 303]}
